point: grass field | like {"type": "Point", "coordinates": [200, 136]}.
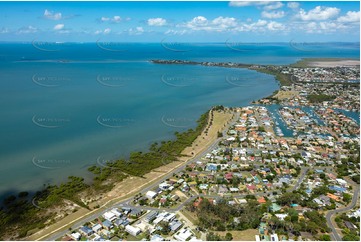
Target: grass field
{"type": "Point", "coordinates": [245, 235]}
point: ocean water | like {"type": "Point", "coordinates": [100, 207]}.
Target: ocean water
{"type": "Point", "coordinates": [67, 106]}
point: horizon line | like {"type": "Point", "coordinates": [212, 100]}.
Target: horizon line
{"type": "Point", "coordinates": [180, 42]}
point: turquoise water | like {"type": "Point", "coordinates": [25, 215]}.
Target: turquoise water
{"type": "Point", "coordinates": [353, 115]}
{"type": "Point", "coordinates": [65, 110]}
{"type": "Point", "coordinates": [274, 110]}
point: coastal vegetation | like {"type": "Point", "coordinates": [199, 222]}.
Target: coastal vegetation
{"type": "Point", "coordinates": [284, 79]}
{"type": "Point", "coordinates": [23, 213]}
{"type": "Point", "coordinates": [316, 98]}
{"type": "Point", "coordinates": [140, 163]}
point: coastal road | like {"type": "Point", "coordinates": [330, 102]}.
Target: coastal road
{"type": "Point", "coordinates": [126, 202]}
{"type": "Point", "coordinates": [356, 193]}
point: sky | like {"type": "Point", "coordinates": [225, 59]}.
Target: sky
{"type": "Point", "coordinates": [246, 21]}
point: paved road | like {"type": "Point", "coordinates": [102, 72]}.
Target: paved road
{"type": "Point", "coordinates": [126, 202]}
{"type": "Point", "coordinates": [304, 171]}
{"type": "Point", "coordinates": [356, 193]}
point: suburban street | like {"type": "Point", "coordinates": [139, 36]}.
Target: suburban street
{"type": "Point", "coordinates": [126, 202]}
{"type": "Point", "coordinates": [356, 193]}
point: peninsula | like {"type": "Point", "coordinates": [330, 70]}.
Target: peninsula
{"type": "Point", "coordinates": [238, 161]}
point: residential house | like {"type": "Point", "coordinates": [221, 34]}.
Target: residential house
{"type": "Point", "coordinates": [132, 230]}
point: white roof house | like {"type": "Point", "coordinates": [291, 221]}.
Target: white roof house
{"type": "Point", "coordinates": [158, 220]}
{"type": "Point", "coordinates": [132, 230]}
{"type": "Point", "coordinates": [164, 186]}
{"type": "Point", "coordinates": [151, 194]}
{"type": "Point", "coordinates": [281, 216]}
{"type": "Point", "coordinates": [170, 217]}
{"type": "Point", "coordinates": [116, 212]}
{"type": "Point", "coordinates": [76, 235]}
{"type": "Point", "coordinates": [109, 216]}
{"type": "Point", "coordinates": [341, 182]}
{"type": "Point", "coordinates": [97, 227]}
{"type": "Point", "coordinates": [183, 235]}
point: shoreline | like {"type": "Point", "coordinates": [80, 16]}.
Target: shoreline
{"type": "Point", "coordinates": [152, 177]}
{"type": "Point", "coordinates": [115, 197]}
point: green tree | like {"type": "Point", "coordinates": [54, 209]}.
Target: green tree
{"type": "Point", "coordinates": [346, 197]}
{"type": "Point", "coordinates": [325, 237]}
{"type": "Point", "coordinates": [228, 237]}
{"type": "Point", "coordinates": [351, 237]}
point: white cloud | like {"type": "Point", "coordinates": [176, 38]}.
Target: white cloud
{"type": "Point", "coordinates": [157, 22]}
{"type": "Point", "coordinates": [136, 31]}
{"type": "Point", "coordinates": [175, 32]}
{"type": "Point", "coordinates": [293, 5]}
{"type": "Point", "coordinates": [311, 27]}
{"type": "Point", "coordinates": [218, 24]}
{"type": "Point", "coordinates": [224, 22]}
{"type": "Point", "coordinates": [323, 27]}
{"type": "Point", "coordinates": [107, 31]}
{"type": "Point", "coordinates": [27, 30]}
{"type": "Point", "coordinates": [59, 27]}
{"type": "Point", "coordinates": [258, 26]}
{"type": "Point", "coordinates": [273, 14]}
{"type": "Point", "coordinates": [114, 19]}
{"type": "Point", "coordinates": [273, 6]}
{"type": "Point", "coordinates": [318, 13]}
{"type": "Point", "coordinates": [51, 15]}
{"type": "Point", "coordinates": [350, 17]}
{"type": "Point", "coordinates": [267, 5]}
{"type": "Point", "coordinates": [275, 26]}
{"type": "Point", "coordinates": [198, 22]}
{"type": "Point", "coordinates": [247, 3]}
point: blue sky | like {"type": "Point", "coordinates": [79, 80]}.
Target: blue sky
{"type": "Point", "coordinates": [180, 21]}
